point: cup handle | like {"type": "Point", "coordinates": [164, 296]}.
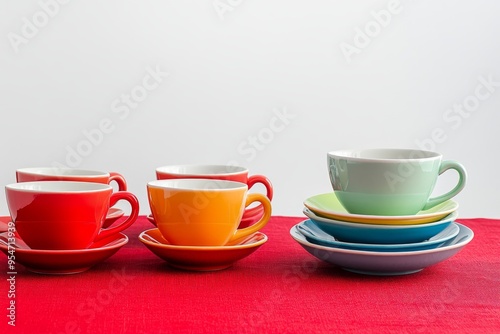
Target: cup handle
{"type": "Point", "coordinates": [269, 192]}
{"type": "Point", "coordinates": [134, 204]}
{"type": "Point", "coordinates": [266, 204]}
{"type": "Point", "coordinates": [265, 181]}
{"type": "Point", "coordinates": [462, 174]}
{"type": "Point", "coordinates": [119, 179]}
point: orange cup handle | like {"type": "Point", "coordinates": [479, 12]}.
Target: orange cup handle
{"type": "Point", "coordinates": [266, 204]}
{"type": "Point", "coordinates": [134, 204]}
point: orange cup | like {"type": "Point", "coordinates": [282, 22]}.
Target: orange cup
{"type": "Point", "coordinates": [203, 212]}
{"type": "Point", "coordinates": [221, 172]}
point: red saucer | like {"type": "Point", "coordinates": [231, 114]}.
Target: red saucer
{"type": "Point", "coordinates": [61, 261]}
{"type": "Point", "coordinates": [112, 216]}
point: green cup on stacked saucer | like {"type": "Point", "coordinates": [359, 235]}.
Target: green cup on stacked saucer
{"type": "Point", "coordinates": [390, 182]}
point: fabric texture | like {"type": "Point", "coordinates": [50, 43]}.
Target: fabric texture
{"type": "Point", "coordinates": [280, 288]}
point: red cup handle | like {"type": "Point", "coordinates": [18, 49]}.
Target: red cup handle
{"type": "Point", "coordinates": [265, 181]}
{"type": "Point", "coordinates": [256, 210]}
{"type": "Point", "coordinates": [119, 179]}
{"type": "Point", "coordinates": [134, 204]}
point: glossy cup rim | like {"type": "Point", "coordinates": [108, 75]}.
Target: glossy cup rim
{"type": "Point", "coordinates": [55, 187]}
{"type": "Point", "coordinates": [387, 155]}
{"type": "Point", "coordinates": [212, 185]}
{"type": "Point", "coordinates": [62, 172]}
{"type": "Point", "coordinates": [201, 170]}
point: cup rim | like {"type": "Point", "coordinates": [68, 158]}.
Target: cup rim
{"type": "Point", "coordinates": [62, 172]}
{"type": "Point", "coordinates": [57, 187]}
{"type": "Point", "coordinates": [197, 185]}
{"type": "Point", "coordinates": [354, 155]}
{"type": "Point", "coordinates": [191, 170]}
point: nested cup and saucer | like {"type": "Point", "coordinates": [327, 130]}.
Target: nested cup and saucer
{"type": "Point", "coordinates": [57, 226]}
{"type": "Point", "coordinates": [380, 218]}
{"type": "Point", "coordinates": [198, 222]}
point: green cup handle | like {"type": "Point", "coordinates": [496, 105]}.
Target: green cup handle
{"type": "Point", "coordinates": [462, 174]}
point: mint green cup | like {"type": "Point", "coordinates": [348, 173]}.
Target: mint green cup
{"type": "Point", "coordinates": [389, 182]}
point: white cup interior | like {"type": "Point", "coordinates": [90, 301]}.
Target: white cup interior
{"type": "Point", "coordinates": [197, 184]}
{"type": "Point", "coordinates": [54, 171]}
{"type": "Point", "coordinates": [58, 186]}
{"type": "Point", "coordinates": [201, 170]}
{"type": "Point", "coordinates": [384, 154]}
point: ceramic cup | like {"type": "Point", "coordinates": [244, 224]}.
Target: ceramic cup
{"type": "Point", "coordinates": [203, 212]}
{"type": "Point", "coordinates": [220, 172]}
{"type": "Point", "coordinates": [64, 214]}
{"type": "Point", "coordinates": [69, 174]}
{"type": "Point", "coordinates": [389, 182]}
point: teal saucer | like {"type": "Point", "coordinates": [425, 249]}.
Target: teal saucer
{"type": "Point", "coordinates": [380, 234]}
{"type": "Point", "coordinates": [316, 235]}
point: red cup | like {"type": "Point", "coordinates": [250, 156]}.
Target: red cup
{"type": "Point", "coordinates": [65, 215]}
{"type": "Point", "coordinates": [70, 174]}
{"type": "Point", "coordinates": [221, 172]}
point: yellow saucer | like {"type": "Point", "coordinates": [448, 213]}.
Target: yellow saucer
{"type": "Point", "coordinates": [328, 206]}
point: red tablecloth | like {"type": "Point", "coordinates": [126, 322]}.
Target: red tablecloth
{"type": "Point", "coordinates": [278, 289]}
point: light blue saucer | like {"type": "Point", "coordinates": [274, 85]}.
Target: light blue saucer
{"type": "Point", "coordinates": [316, 235]}
{"type": "Point", "coordinates": [380, 234]}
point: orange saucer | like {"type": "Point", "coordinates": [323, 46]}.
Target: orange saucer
{"type": "Point", "coordinates": [201, 258]}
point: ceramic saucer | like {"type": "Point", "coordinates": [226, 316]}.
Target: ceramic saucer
{"type": "Point", "coordinates": [249, 219]}
{"type": "Point", "coordinates": [151, 219]}
{"type": "Point", "coordinates": [251, 216]}
{"type": "Point", "coordinates": [328, 206]}
{"type": "Point", "coordinates": [62, 261]}
{"type": "Point", "coordinates": [380, 234]}
{"type": "Point", "coordinates": [201, 258]}
{"type": "Point", "coordinates": [112, 216]}
{"type": "Point", "coordinates": [385, 263]}
{"type": "Point", "coordinates": [316, 235]}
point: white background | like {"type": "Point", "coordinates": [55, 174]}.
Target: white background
{"type": "Point", "coordinates": [232, 66]}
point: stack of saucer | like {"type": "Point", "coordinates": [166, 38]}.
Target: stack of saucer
{"type": "Point", "coordinates": [380, 220]}
{"type": "Point", "coordinates": [203, 216]}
